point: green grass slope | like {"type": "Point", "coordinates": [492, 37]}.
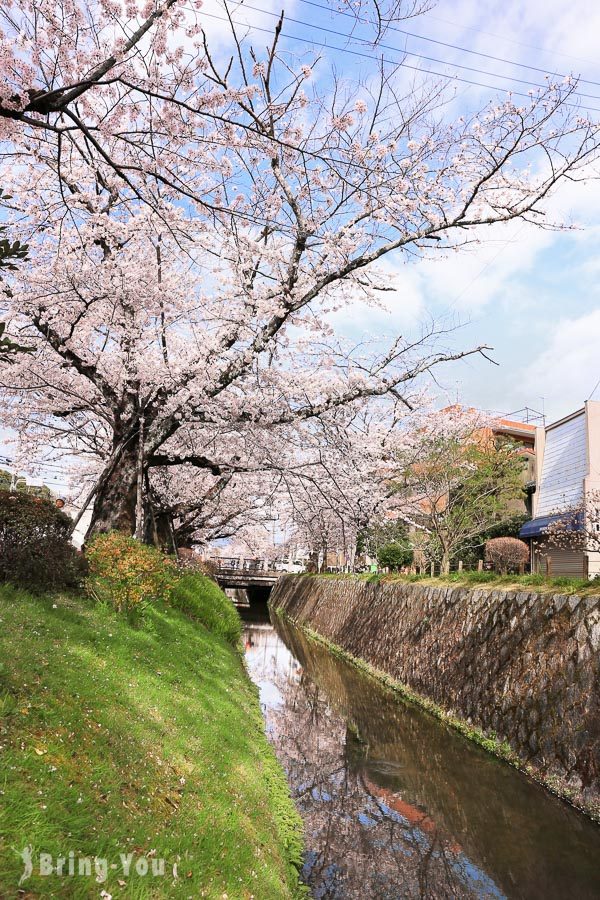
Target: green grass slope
{"type": "Point", "coordinates": [201, 599]}
{"type": "Point", "coordinates": [535, 584]}
{"type": "Point", "coordinates": [149, 741]}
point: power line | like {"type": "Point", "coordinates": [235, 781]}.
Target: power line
{"type": "Point", "coordinates": [369, 56]}
{"type": "Point", "coordinates": [49, 478]}
{"type": "Point", "coordinates": [504, 37]}
{"type": "Point", "coordinates": [430, 40]}
{"type": "Point", "coordinates": [412, 53]}
{"type": "Point", "coordinates": [595, 389]}
{"type": "Point", "coordinates": [8, 460]}
{"type": "Point", "coordinates": [490, 262]}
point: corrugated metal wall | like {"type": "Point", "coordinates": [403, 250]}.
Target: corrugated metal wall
{"type": "Point", "coordinates": [564, 467]}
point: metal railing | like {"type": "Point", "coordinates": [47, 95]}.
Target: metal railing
{"type": "Point", "coordinates": [241, 565]}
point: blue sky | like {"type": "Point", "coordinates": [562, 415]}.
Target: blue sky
{"type": "Point", "coordinates": [532, 295]}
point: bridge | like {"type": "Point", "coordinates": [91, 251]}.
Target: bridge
{"type": "Point", "coordinates": [238, 572]}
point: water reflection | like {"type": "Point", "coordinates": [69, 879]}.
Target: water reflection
{"type": "Point", "coordinates": [395, 804]}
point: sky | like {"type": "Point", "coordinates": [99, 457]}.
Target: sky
{"type": "Point", "coordinates": [532, 295]}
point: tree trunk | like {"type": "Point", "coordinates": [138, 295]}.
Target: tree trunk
{"type": "Point", "coordinates": [115, 501]}
{"type": "Point", "coordinates": [445, 564]}
{"type": "Point", "coordinates": [117, 504]}
{"type": "Point", "coordinates": [159, 531]}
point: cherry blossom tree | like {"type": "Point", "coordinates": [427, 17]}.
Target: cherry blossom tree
{"type": "Point", "coordinates": [192, 225]}
{"type": "Point", "coordinates": [11, 252]}
{"type": "Point", "coordinates": [102, 81]}
{"type": "Point", "coordinates": [314, 486]}
{"type": "Point", "coordinates": [578, 527]}
{"type": "Point", "coordinates": [338, 485]}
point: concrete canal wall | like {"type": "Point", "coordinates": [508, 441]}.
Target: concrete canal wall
{"type": "Point", "coordinates": [521, 666]}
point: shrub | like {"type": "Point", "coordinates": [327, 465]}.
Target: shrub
{"type": "Point", "coordinates": [126, 573]}
{"type": "Point", "coordinates": [506, 554]}
{"type": "Point", "coordinates": [35, 543]}
{"type": "Point", "coordinates": [394, 555]}
{"type": "Point", "coordinates": [200, 598]}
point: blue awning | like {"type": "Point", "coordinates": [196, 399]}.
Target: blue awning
{"type": "Point", "coordinates": [537, 527]}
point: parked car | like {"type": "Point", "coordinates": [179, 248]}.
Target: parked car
{"type": "Point", "coordinates": [291, 567]}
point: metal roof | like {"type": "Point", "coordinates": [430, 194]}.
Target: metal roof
{"type": "Point", "coordinates": [537, 527]}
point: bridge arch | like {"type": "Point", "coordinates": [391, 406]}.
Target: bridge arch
{"type": "Point", "coordinates": [247, 581]}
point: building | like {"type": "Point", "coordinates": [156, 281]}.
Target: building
{"type": "Point", "coordinates": [524, 434]}
{"type": "Point", "coordinates": [567, 469]}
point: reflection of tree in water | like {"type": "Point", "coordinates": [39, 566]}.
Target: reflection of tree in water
{"type": "Point", "coordinates": [398, 806]}
{"type": "Point", "coordinates": [364, 839]}
{"type": "Point", "coordinates": [387, 846]}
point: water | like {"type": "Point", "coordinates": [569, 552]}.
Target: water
{"type": "Point", "coordinates": [396, 804]}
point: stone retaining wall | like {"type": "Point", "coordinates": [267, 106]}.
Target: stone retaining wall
{"type": "Point", "coordinates": [521, 665]}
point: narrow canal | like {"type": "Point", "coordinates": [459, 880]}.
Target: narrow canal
{"type": "Point", "coordinates": [397, 805]}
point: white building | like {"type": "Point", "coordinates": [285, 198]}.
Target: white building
{"type": "Point", "coordinates": [567, 468]}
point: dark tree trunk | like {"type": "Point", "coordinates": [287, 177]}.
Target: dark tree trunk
{"type": "Point", "coordinates": [116, 500]}
{"type": "Point", "coordinates": [159, 530]}
{"type": "Point", "coordinates": [114, 503]}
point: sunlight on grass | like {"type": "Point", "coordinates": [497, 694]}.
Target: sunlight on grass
{"type": "Point", "coordinates": [147, 740]}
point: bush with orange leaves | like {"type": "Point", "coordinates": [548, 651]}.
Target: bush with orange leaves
{"type": "Point", "coordinates": [128, 574]}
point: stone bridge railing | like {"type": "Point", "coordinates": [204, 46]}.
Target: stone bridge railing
{"type": "Point", "coordinates": [240, 571]}
{"type": "Point", "coordinates": [240, 564]}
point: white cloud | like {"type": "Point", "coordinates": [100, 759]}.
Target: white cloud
{"type": "Point", "coordinates": [472, 277]}
{"type": "Point", "coordinates": [519, 280]}
{"type": "Point", "coordinates": [567, 370]}
{"type": "Point", "coordinates": [475, 275]}
{"type": "Point", "coordinates": [503, 257]}
{"type": "Point", "coordinates": [248, 22]}
{"type": "Point", "coordinates": [401, 309]}
{"type": "Point", "coordinates": [524, 30]}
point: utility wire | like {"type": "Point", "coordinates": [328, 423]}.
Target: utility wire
{"type": "Point", "coordinates": [504, 37]}
{"type": "Point", "coordinates": [369, 56]}
{"type": "Point", "coordinates": [9, 460]}
{"type": "Point", "coordinates": [51, 479]}
{"type": "Point", "coordinates": [429, 40]}
{"type": "Point", "coordinates": [595, 389]}
{"type": "Point", "coordinates": [487, 265]}
{"type": "Point", "coordinates": [412, 53]}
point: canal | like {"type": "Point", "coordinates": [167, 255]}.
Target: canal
{"type": "Point", "coordinates": [396, 804]}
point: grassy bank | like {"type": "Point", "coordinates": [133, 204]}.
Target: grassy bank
{"type": "Point", "coordinates": [144, 741]}
{"type": "Point", "coordinates": [539, 584]}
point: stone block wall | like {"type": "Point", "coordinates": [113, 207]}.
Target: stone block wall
{"type": "Point", "coordinates": [524, 666]}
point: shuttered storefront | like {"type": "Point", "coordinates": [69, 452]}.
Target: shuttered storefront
{"type": "Point", "coordinates": [560, 562]}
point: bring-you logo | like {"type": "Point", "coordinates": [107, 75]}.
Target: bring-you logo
{"type": "Point", "coordinates": [73, 865]}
